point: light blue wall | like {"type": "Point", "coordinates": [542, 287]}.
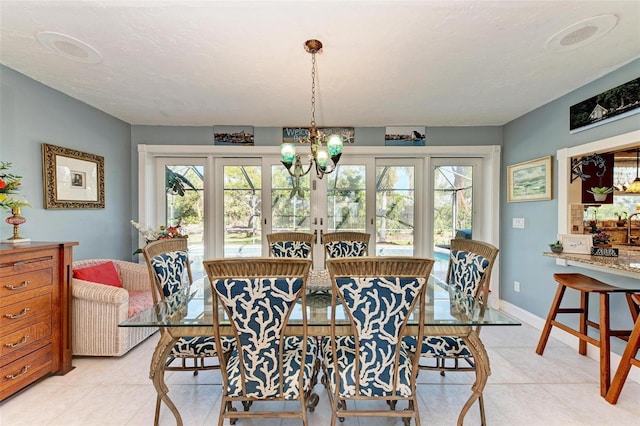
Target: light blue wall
{"type": "Point", "coordinates": [540, 133]}
{"type": "Point", "coordinates": [32, 114]}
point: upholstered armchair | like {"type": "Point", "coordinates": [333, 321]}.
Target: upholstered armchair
{"type": "Point", "coordinates": [377, 294]}
{"type": "Point", "coordinates": [291, 244]}
{"type": "Point", "coordinates": [99, 308]}
{"type": "Point", "coordinates": [267, 364]}
{"type": "Point", "coordinates": [345, 244]}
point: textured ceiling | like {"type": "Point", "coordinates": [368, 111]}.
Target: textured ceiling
{"type": "Point", "coordinates": [433, 63]}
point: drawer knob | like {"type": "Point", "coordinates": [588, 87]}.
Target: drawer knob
{"type": "Point", "coordinates": [20, 343]}
{"type": "Point", "coordinates": [24, 284]}
{"type": "Point", "coordinates": [22, 373]}
{"type": "Point", "coordinates": [21, 314]}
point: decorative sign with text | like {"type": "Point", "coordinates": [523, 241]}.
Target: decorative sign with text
{"type": "Point", "coordinates": [604, 251]}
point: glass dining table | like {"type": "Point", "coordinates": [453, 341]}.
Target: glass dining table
{"type": "Point", "coordinates": [447, 313]}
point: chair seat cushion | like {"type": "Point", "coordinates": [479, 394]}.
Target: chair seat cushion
{"type": "Point", "coordinates": [139, 300]}
{"type": "Point", "coordinates": [438, 346]}
{"type": "Point", "coordinates": [269, 386]}
{"type": "Point", "coordinates": [375, 384]}
{"type": "Point", "coordinates": [200, 346]}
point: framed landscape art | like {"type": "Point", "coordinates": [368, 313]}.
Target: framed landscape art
{"type": "Point", "coordinates": [530, 180]}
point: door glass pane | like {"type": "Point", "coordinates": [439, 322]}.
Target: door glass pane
{"type": "Point", "coordinates": [242, 230]}
{"type": "Point", "coordinates": [290, 210]}
{"type": "Point", "coordinates": [185, 208]}
{"type": "Point", "coordinates": [452, 210]}
{"type": "Point", "coordinates": [346, 199]}
{"type": "Point", "coordinates": [395, 201]}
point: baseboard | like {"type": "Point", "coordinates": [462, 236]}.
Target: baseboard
{"type": "Point", "coordinates": [566, 338]}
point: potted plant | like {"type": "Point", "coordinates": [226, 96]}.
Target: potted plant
{"type": "Point", "coordinates": [600, 192]}
{"type": "Point", "coordinates": [622, 219]}
{"type": "Point", "coordinates": [601, 239]}
{"type": "Point", "coordinates": [556, 247]}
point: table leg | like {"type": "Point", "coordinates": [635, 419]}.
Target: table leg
{"type": "Point", "coordinates": [483, 371]}
{"type": "Point", "coordinates": [605, 337]}
{"type": "Point", "coordinates": [156, 374]}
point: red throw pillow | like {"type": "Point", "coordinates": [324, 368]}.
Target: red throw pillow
{"type": "Point", "coordinates": [104, 273]}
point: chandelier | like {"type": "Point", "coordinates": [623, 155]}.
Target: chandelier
{"type": "Point", "coordinates": [319, 156]}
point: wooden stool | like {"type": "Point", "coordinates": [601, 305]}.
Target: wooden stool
{"type": "Point", "coordinates": [628, 359]}
{"type": "Point", "coordinates": [586, 285]}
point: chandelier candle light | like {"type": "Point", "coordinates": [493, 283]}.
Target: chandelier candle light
{"type": "Point", "coordinates": [319, 156]}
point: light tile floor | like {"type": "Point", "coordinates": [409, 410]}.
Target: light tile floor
{"type": "Point", "coordinates": [559, 388]}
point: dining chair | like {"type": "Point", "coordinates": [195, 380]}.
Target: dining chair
{"type": "Point", "coordinates": [345, 244]}
{"type": "Point", "coordinates": [291, 244]}
{"type": "Point", "coordinates": [169, 267]}
{"type": "Point", "coordinates": [266, 364]}
{"type": "Point", "coordinates": [377, 294]}
{"type": "Point", "coordinates": [469, 270]}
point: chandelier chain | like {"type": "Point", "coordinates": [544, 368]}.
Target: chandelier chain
{"type": "Point", "coordinates": [313, 89]}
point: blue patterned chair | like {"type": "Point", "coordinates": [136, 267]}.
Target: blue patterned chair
{"type": "Point", "coordinates": [170, 269]}
{"type": "Point", "coordinates": [378, 295]}
{"type": "Point", "coordinates": [266, 364]}
{"type": "Point", "coordinates": [291, 244]}
{"type": "Point", "coordinates": [470, 265]}
{"type": "Point", "coordinates": [345, 244]}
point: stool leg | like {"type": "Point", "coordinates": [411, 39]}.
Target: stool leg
{"type": "Point", "coordinates": [584, 317]}
{"type": "Point", "coordinates": [605, 336]}
{"type": "Point", "coordinates": [633, 308]}
{"type": "Point", "coordinates": [625, 364]}
{"type": "Point", "coordinates": [553, 311]}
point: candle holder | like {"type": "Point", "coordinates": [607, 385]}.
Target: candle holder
{"type": "Point", "coordinates": [16, 220]}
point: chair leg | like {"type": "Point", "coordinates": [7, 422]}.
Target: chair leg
{"type": "Point", "coordinates": [156, 419]}
{"type": "Point", "coordinates": [483, 419]}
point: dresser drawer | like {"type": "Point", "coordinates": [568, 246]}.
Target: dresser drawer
{"type": "Point", "coordinates": [19, 263]}
{"type": "Point", "coordinates": [28, 369]}
{"type": "Point", "coordinates": [16, 285]}
{"type": "Point", "coordinates": [24, 312]}
{"type": "Point", "coordinates": [25, 337]}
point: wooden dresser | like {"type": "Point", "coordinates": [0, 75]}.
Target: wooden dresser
{"type": "Point", "coordinates": [35, 313]}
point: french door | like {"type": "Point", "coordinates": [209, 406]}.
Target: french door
{"type": "Point", "coordinates": [180, 191]}
{"type": "Point", "coordinates": [455, 205]}
{"type": "Point", "coordinates": [236, 201]}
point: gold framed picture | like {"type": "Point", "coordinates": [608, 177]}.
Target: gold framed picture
{"type": "Point", "coordinates": [530, 181]}
{"type": "Point", "coordinates": [72, 179]}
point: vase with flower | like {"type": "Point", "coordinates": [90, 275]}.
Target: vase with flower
{"type": "Point", "coordinates": [601, 239]}
{"type": "Point", "coordinates": [159, 233]}
{"type": "Point", "coordinates": [10, 201]}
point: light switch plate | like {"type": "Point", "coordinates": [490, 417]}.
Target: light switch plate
{"type": "Point", "coordinates": [518, 222]}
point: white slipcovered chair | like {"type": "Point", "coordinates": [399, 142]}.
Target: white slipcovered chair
{"type": "Point", "coordinates": [99, 308]}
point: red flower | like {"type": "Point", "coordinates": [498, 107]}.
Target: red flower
{"type": "Point", "coordinates": [2, 184]}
